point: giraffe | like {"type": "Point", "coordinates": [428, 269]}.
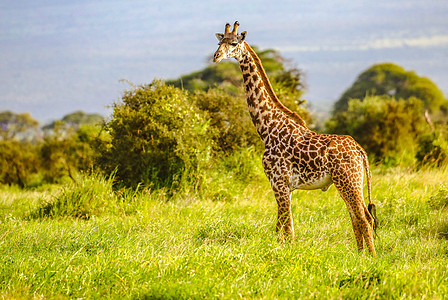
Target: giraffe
{"type": "Point", "coordinates": [296, 157]}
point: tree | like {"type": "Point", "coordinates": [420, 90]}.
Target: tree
{"type": "Point", "coordinates": [11, 124]}
{"type": "Point", "coordinates": [225, 75]}
{"type": "Point", "coordinates": [18, 157]}
{"type": "Point", "coordinates": [391, 121]}
{"type": "Point", "coordinates": [77, 119]}
{"type": "Point", "coordinates": [388, 79]}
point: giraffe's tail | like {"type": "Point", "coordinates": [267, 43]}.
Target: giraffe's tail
{"type": "Point", "coordinates": [371, 207]}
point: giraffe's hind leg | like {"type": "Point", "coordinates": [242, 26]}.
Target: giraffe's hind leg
{"type": "Point", "coordinates": [362, 221]}
{"type": "Point", "coordinates": [367, 229]}
{"type": "Point", "coordinates": [356, 229]}
{"type": "Point", "coordinates": [362, 226]}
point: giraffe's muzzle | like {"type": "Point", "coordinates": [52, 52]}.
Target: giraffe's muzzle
{"type": "Point", "coordinates": [217, 57]}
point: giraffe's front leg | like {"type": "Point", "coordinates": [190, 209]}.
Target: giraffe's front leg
{"type": "Point", "coordinates": [280, 186]}
{"type": "Point", "coordinates": [285, 224]}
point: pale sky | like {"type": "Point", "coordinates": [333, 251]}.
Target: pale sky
{"type": "Point", "coordinates": [58, 56]}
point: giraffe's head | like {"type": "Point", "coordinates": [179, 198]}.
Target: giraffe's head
{"type": "Point", "coordinates": [230, 43]}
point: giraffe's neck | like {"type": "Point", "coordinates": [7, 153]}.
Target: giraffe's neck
{"type": "Point", "coordinates": [264, 107]}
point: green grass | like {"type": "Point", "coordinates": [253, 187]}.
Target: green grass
{"type": "Point", "coordinates": [145, 246]}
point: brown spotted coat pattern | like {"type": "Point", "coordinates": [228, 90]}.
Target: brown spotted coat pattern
{"type": "Point", "coordinates": [296, 157]}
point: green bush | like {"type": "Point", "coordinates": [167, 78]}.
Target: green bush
{"type": "Point", "coordinates": [158, 138]}
{"type": "Point", "coordinates": [433, 149]}
{"type": "Point", "coordinates": [67, 151]}
{"type": "Point", "coordinates": [231, 173]}
{"type": "Point", "coordinates": [385, 127]}
{"type": "Point", "coordinates": [19, 162]}
{"type": "Point", "coordinates": [231, 127]}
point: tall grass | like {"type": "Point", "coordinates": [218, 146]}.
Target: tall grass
{"type": "Point", "coordinates": [143, 245]}
{"type": "Point", "coordinates": [91, 195]}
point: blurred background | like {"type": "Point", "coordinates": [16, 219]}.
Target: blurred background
{"type": "Point", "coordinates": [60, 56]}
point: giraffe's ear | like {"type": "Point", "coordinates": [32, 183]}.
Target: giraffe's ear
{"type": "Point", "coordinates": [220, 36]}
{"type": "Point", "coordinates": [242, 36]}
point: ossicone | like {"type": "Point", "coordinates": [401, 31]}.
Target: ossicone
{"type": "Point", "coordinates": [232, 34]}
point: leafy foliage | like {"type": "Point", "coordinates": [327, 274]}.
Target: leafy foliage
{"type": "Point", "coordinates": [433, 148]}
{"type": "Point", "coordinates": [12, 124]}
{"type": "Point", "coordinates": [226, 75]}
{"type": "Point", "coordinates": [158, 137]}
{"type": "Point", "coordinates": [66, 151]}
{"type": "Point", "coordinates": [384, 110]}
{"type": "Point", "coordinates": [77, 119]}
{"type": "Point", "coordinates": [384, 126]}
{"type": "Point", "coordinates": [231, 127]}
{"type": "Point", "coordinates": [165, 136]}
{"type": "Point", "coordinates": [19, 162]}
{"type": "Point", "coordinates": [30, 160]}
{"type": "Point", "coordinates": [391, 80]}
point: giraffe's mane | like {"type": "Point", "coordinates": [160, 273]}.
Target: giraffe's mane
{"type": "Point", "coordinates": [293, 115]}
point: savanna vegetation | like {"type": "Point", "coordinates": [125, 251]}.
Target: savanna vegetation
{"type": "Point", "coordinates": [396, 115]}
{"type": "Point", "coordinates": [166, 198]}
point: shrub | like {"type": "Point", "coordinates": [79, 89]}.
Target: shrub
{"type": "Point", "coordinates": [385, 127]}
{"type": "Point", "coordinates": [19, 162]}
{"type": "Point", "coordinates": [231, 127]}
{"type": "Point", "coordinates": [432, 149]}
{"type": "Point", "coordinates": [65, 152]}
{"type": "Point", "coordinates": [158, 137]}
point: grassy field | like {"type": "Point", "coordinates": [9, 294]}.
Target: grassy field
{"type": "Point", "coordinates": [221, 243]}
